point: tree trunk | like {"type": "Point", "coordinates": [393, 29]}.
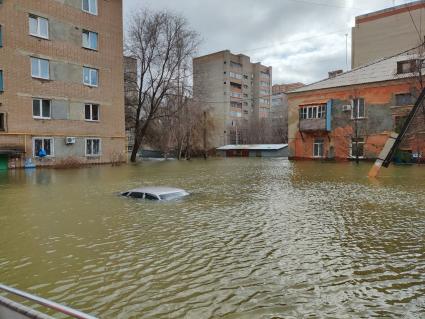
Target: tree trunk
{"type": "Point", "coordinates": [136, 147]}
{"type": "Point", "coordinates": [138, 141]}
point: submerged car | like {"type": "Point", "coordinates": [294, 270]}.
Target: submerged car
{"type": "Point", "coordinates": [156, 193]}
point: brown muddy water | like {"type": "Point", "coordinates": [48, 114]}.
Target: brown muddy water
{"type": "Point", "coordinates": [258, 238]}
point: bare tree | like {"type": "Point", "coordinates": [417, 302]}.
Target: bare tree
{"type": "Point", "coordinates": [163, 45]}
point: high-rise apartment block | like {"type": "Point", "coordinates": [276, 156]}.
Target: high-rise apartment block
{"type": "Point", "coordinates": [236, 91]}
{"type": "Point", "coordinates": [61, 81]}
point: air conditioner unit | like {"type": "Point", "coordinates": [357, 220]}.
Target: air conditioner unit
{"type": "Point", "coordinates": [346, 108]}
{"type": "Point", "coordinates": [70, 140]}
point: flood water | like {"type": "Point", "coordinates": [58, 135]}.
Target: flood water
{"type": "Point", "coordinates": [258, 238]}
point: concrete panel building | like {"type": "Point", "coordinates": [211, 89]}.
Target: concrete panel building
{"type": "Point", "coordinates": [387, 32]}
{"type": "Point", "coordinates": [279, 109]}
{"type": "Point", "coordinates": [235, 91]}
{"type": "Point", "coordinates": [62, 87]}
{"type": "Point", "coordinates": [352, 114]}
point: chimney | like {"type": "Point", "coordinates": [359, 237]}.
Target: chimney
{"type": "Point", "coordinates": [333, 74]}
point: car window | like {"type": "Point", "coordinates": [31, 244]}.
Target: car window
{"type": "Point", "coordinates": [151, 197]}
{"type": "Point", "coordinates": [136, 195]}
{"type": "Point", "coordinates": [171, 195]}
{"type": "Point", "coordinates": [124, 194]}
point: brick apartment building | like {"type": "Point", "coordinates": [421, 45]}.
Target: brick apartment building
{"type": "Point", "coordinates": [352, 114]}
{"type": "Point", "coordinates": [236, 91]}
{"type": "Point", "coordinates": [387, 32]}
{"type": "Point", "coordinates": [61, 72]}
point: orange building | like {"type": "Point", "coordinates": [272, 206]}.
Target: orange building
{"type": "Point", "coordinates": [352, 114]}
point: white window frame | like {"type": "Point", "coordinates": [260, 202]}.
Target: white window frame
{"type": "Point", "coordinates": [100, 146]}
{"type": "Point", "coordinates": [90, 76]}
{"type": "Point", "coordinates": [309, 112]}
{"type": "Point", "coordinates": [91, 10]}
{"type": "Point", "coordinates": [89, 35]}
{"type": "Point", "coordinates": [52, 145]}
{"type": "Point", "coordinates": [39, 61]}
{"type": "Point", "coordinates": [41, 117]}
{"type": "Point", "coordinates": [353, 102]}
{"type": "Point", "coordinates": [322, 143]}
{"type": "Point", "coordinates": [91, 112]}
{"type": "Point", "coordinates": [351, 148]}
{"type": "Point", "coordinates": [38, 33]}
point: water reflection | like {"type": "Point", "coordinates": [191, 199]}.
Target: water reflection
{"type": "Point", "coordinates": [258, 238]}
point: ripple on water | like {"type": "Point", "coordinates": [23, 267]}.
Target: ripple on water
{"type": "Point", "coordinates": [257, 239]}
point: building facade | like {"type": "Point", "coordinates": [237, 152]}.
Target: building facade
{"type": "Point", "coordinates": [236, 91]}
{"type": "Point", "coordinates": [62, 88]}
{"type": "Point", "coordinates": [387, 32]}
{"type": "Point", "coordinates": [351, 115]}
{"type": "Point", "coordinates": [279, 110]}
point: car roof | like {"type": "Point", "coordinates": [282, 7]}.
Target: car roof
{"type": "Point", "coordinates": [158, 190]}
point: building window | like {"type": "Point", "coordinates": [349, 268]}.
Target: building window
{"type": "Point", "coordinates": [41, 109]}
{"type": "Point", "coordinates": [399, 123]}
{"type": "Point", "coordinates": [264, 101]}
{"type": "Point", "coordinates": [2, 122]}
{"type": "Point", "coordinates": [235, 94]}
{"type": "Point", "coordinates": [40, 68]}
{"type": "Point", "coordinates": [236, 75]}
{"type": "Point", "coordinates": [262, 83]}
{"type": "Point", "coordinates": [235, 114]}
{"type": "Point", "coordinates": [357, 147]}
{"type": "Point", "coordinates": [236, 104]}
{"type": "Point", "coordinates": [1, 36]}
{"type": "Point", "coordinates": [39, 27]}
{"type": "Point", "coordinates": [408, 66]}
{"type": "Point", "coordinates": [90, 76]}
{"type": "Point", "coordinates": [235, 64]}
{"type": "Point", "coordinates": [318, 147]}
{"type": "Point", "coordinates": [90, 6]}
{"type": "Point", "coordinates": [43, 145]}
{"type": "Point", "coordinates": [264, 75]}
{"type": "Point", "coordinates": [403, 99]}
{"type": "Point", "coordinates": [1, 80]}
{"type": "Point", "coordinates": [245, 77]}
{"type": "Point", "coordinates": [312, 112]}
{"type": "Point", "coordinates": [93, 147]}
{"type": "Point", "coordinates": [91, 112]}
{"type": "Point", "coordinates": [358, 108]}
{"type": "Point", "coordinates": [89, 40]}
{"type": "Point", "coordinates": [321, 112]}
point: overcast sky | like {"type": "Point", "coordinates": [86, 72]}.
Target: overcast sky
{"type": "Point", "coordinates": [301, 39]}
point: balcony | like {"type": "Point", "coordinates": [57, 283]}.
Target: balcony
{"type": "Point", "coordinates": [310, 125]}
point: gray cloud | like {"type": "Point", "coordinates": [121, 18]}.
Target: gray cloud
{"type": "Point", "coordinates": [301, 39]}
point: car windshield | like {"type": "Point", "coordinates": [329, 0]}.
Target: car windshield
{"type": "Point", "coordinates": [172, 195]}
